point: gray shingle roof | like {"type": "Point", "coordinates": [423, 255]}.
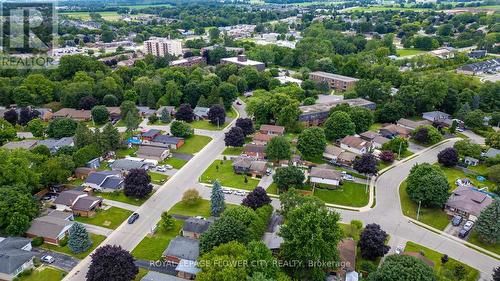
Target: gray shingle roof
{"type": "Point", "coordinates": [167, 139]}
{"type": "Point", "coordinates": [157, 276]}
{"type": "Point", "coordinates": [13, 258]}
{"type": "Point", "coordinates": [469, 200]}
{"type": "Point", "coordinates": [196, 225]}
{"type": "Point", "coordinates": [127, 165]}
{"type": "Point", "coordinates": [49, 227]}
{"type": "Point", "coordinates": [105, 179]}
{"type": "Point", "coordinates": [325, 173]}
{"type": "Point", "coordinates": [68, 197]}
{"type": "Point", "coordinates": [183, 248]}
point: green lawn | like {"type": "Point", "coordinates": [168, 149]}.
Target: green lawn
{"type": "Point", "coordinates": [452, 174]}
{"type": "Point", "coordinates": [152, 247]}
{"type": "Point", "coordinates": [120, 197]}
{"type": "Point", "coordinates": [205, 125]}
{"type": "Point", "coordinates": [474, 239]}
{"type": "Point", "coordinates": [444, 272]}
{"type": "Point", "coordinates": [272, 189]}
{"type": "Point", "coordinates": [349, 194]}
{"type": "Point", "coordinates": [194, 144]}
{"type": "Point", "coordinates": [175, 162]}
{"type": "Point", "coordinates": [223, 172]}
{"type": "Point", "coordinates": [231, 113]}
{"type": "Point", "coordinates": [480, 169]}
{"type": "Point", "coordinates": [122, 153]}
{"type": "Point", "coordinates": [354, 174]}
{"type": "Point", "coordinates": [202, 208]}
{"type": "Point", "coordinates": [110, 218]}
{"type": "Point", "coordinates": [86, 15]}
{"type": "Point", "coordinates": [158, 178]}
{"type": "Point", "coordinates": [45, 273]}
{"type": "Point", "coordinates": [142, 273]}
{"type": "Point", "coordinates": [96, 241]}
{"type": "Point", "coordinates": [408, 52]}
{"type": "Point", "coordinates": [382, 165]}
{"type": "Point", "coordinates": [375, 127]}
{"type": "Point", "coordinates": [232, 150]}
{"type": "Point", "coordinates": [433, 217]}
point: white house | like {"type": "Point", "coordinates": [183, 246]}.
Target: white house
{"type": "Point", "coordinates": [325, 176]}
{"type": "Point", "coordinates": [355, 145]}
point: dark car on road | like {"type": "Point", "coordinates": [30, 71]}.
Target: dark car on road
{"type": "Point", "coordinates": [133, 218]}
{"type": "Point", "coordinates": [456, 220]}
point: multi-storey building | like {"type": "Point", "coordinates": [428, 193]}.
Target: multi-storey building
{"type": "Point", "coordinates": [160, 47]}
{"type": "Point", "coordinates": [335, 81]}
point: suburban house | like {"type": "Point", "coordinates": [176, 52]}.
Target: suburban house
{"type": "Point", "coordinates": [24, 144]}
{"type": "Point", "coordinates": [187, 269]}
{"type": "Point", "coordinates": [412, 125]}
{"type": "Point", "coordinates": [157, 276]}
{"type": "Point", "coordinates": [440, 118]}
{"type": "Point", "coordinates": [368, 135]}
{"type": "Point", "coordinates": [325, 176]}
{"type": "Point", "coordinates": [334, 81]}
{"type": "Point", "coordinates": [170, 109]}
{"type": "Point", "coordinates": [347, 257]}
{"type": "Point", "coordinates": [194, 227]}
{"type": "Point", "coordinates": [476, 68]}
{"type": "Point", "coordinates": [467, 202]}
{"type": "Point", "coordinates": [83, 172]}
{"type": "Point", "coordinates": [51, 228]}
{"type": "Point", "coordinates": [272, 130]}
{"type": "Point", "coordinates": [338, 156]}
{"type": "Point", "coordinates": [201, 113]}
{"type": "Point", "coordinates": [167, 141]}
{"type": "Point", "coordinates": [153, 152]}
{"type": "Point", "coordinates": [15, 257]}
{"type": "Point", "coordinates": [443, 53]}
{"type": "Point", "coordinates": [477, 54]}
{"type": "Point", "coordinates": [471, 161]}
{"type": "Point", "coordinates": [125, 165]}
{"type": "Point", "coordinates": [105, 181]}
{"type": "Point", "coordinates": [271, 238]}
{"type": "Point", "coordinates": [392, 130]}
{"type": "Point", "coordinates": [150, 134]}
{"type": "Point", "coordinates": [355, 145]}
{"type": "Point", "coordinates": [78, 202]}
{"type": "Point", "coordinates": [54, 145]}
{"type": "Point", "coordinates": [378, 141]}
{"type": "Point", "coordinates": [182, 248]}
{"type": "Point", "coordinates": [261, 139]}
{"type": "Point", "coordinates": [248, 166]}
{"type": "Point", "coordinates": [94, 163]}
{"type": "Point", "coordinates": [75, 114]}
{"type": "Point", "coordinates": [145, 111]}
{"type": "Point", "coordinates": [255, 151]}
{"type": "Point", "coordinates": [316, 114]}
{"type": "Point", "coordinates": [346, 158]}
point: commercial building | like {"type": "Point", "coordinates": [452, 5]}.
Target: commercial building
{"type": "Point", "coordinates": [316, 114]}
{"type": "Point", "coordinates": [335, 81]}
{"type": "Point", "coordinates": [160, 47]}
{"type": "Point", "coordinates": [489, 66]}
{"type": "Point", "coordinates": [188, 62]}
{"type": "Point", "coordinates": [243, 61]}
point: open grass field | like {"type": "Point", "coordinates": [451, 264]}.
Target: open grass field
{"type": "Point", "coordinates": [194, 144]}
{"type": "Point", "coordinates": [349, 194]}
{"type": "Point", "coordinates": [86, 15]}
{"type": "Point", "coordinates": [110, 218]}
{"type": "Point", "coordinates": [152, 247]}
{"type": "Point", "coordinates": [223, 172]}
{"type": "Point", "coordinates": [232, 151]}
{"type": "Point", "coordinates": [433, 217]}
{"type": "Point", "coordinates": [45, 273]}
{"type": "Point", "coordinates": [96, 241]}
{"type": "Point", "coordinates": [408, 52]}
{"type": "Point", "coordinates": [272, 189]}
{"type": "Point", "coordinates": [202, 208]}
{"type": "Point", "coordinates": [444, 272]}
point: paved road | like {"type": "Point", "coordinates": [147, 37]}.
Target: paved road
{"type": "Point", "coordinates": [474, 137]}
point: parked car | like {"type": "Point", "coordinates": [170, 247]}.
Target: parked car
{"type": "Point", "coordinates": [48, 259]}
{"type": "Point", "coordinates": [400, 249]}
{"type": "Point", "coordinates": [227, 191]}
{"type": "Point", "coordinates": [161, 169]}
{"type": "Point", "coordinates": [168, 167]}
{"type": "Point", "coordinates": [238, 102]}
{"type": "Point", "coordinates": [463, 233]}
{"type": "Point", "coordinates": [348, 177]}
{"type": "Point", "coordinates": [468, 225]}
{"type": "Point", "coordinates": [200, 218]}
{"type": "Point", "coordinates": [269, 171]}
{"type": "Point", "coordinates": [240, 193]}
{"type": "Point", "coordinates": [133, 218]}
{"type": "Point", "coordinates": [456, 221]}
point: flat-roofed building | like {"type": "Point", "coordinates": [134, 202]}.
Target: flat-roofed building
{"type": "Point", "coordinates": [335, 81]}
{"type": "Point", "coordinates": [243, 61]}
{"type": "Point", "coordinates": [317, 114]}
{"type": "Point", "coordinates": [160, 47]}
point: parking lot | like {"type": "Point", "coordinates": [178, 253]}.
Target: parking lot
{"type": "Point", "coordinates": [490, 77]}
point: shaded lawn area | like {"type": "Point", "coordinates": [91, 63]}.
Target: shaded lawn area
{"type": "Point", "coordinates": [452, 174]}
{"type": "Point", "coordinates": [124, 152]}
{"type": "Point", "coordinates": [226, 176]}
{"type": "Point", "coordinates": [194, 144]}
{"type": "Point", "coordinates": [480, 169]}
{"type": "Point", "coordinates": [202, 208]}
{"type": "Point", "coordinates": [474, 239]}
{"type": "Point", "coordinates": [375, 127]}
{"type": "Point", "coordinates": [445, 272]}
{"type": "Point", "coordinates": [408, 52]}
{"type": "Point", "coordinates": [206, 125]}
{"type": "Point", "coordinates": [110, 218]}
{"type": "Point", "coordinates": [96, 241]}
{"type": "Point", "coordinates": [347, 194]}
{"type": "Point", "coordinates": [176, 163]}
{"type": "Point", "coordinates": [142, 273]}
{"type": "Point", "coordinates": [382, 165]}
{"type": "Point", "coordinates": [158, 178]}
{"type": "Point", "coordinates": [232, 150]}
{"type": "Point", "coordinates": [121, 197]}
{"type": "Point", "coordinates": [45, 273]}
{"type": "Point", "coordinates": [231, 113]}
{"type": "Point", "coordinates": [272, 189]}
{"type": "Point", "coordinates": [152, 247]}
{"type": "Point", "coordinates": [436, 218]}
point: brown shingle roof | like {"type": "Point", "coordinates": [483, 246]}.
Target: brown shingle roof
{"type": "Point", "coordinates": [355, 142]}
{"type": "Point", "coordinates": [347, 253]}
{"type": "Point", "coordinates": [325, 173]}
{"type": "Point", "coordinates": [469, 200]}
{"type": "Point", "coordinates": [262, 137]}
{"type": "Point", "coordinates": [273, 128]}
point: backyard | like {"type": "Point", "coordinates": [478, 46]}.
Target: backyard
{"type": "Point", "coordinates": [348, 194]}
{"type": "Point", "coordinates": [110, 218]}
{"type": "Point", "coordinates": [202, 208]}
{"type": "Point", "coordinates": [444, 272]}
{"type": "Point", "coordinates": [223, 172]}
{"type": "Point", "coordinates": [96, 241]}
{"type": "Point", "coordinates": [193, 144]}
{"type": "Point", "coordinates": [452, 174]}
{"type": "Point", "coordinates": [45, 273]}
{"type": "Point", "coordinates": [152, 247]}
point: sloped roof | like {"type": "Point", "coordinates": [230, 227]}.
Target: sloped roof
{"type": "Point", "coordinates": [86, 203]}
{"type": "Point", "coordinates": [68, 197]}
{"type": "Point", "coordinates": [183, 248]}
{"type": "Point", "coordinates": [26, 144]}
{"type": "Point", "coordinates": [167, 139]}
{"type": "Point", "coordinates": [325, 173]}
{"type": "Point", "coordinates": [272, 128]}
{"type": "Point", "coordinates": [127, 164]}
{"type": "Point", "coordinates": [49, 227]}
{"type": "Point", "coordinates": [242, 162]}
{"type": "Point", "coordinates": [347, 253]}
{"type": "Point", "coordinates": [355, 142]}
{"type": "Point", "coordinates": [151, 151]}
{"type": "Point", "coordinates": [333, 150]}
{"type": "Point", "coordinates": [196, 225]}
{"type": "Point", "coordinates": [469, 200]}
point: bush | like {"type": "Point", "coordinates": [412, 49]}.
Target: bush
{"type": "Point", "coordinates": [181, 129]}
{"type": "Point", "coordinates": [387, 156]}
{"type": "Point", "coordinates": [191, 197]}
{"type": "Point", "coordinates": [63, 242]}
{"type": "Point", "coordinates": [37, 242]}
{"type": "Point", "coordinates": [448, 157]}
{"type": "Point", "coordinates": [367, 267]}
{"type": "Point", "coordinates": [427, 135]}
{"type": "Point", "coordinates": [259, 226]}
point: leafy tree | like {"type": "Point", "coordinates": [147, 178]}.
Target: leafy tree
{"type": "Point", "coordinates": [83, 136]}
{"type": "Point", "coordinates": [185, 113]}
{"type": "Point", "coordinates": [79, 239]}
{"type": "Point", "coordinates": [165, 116]}
{"type": "Point", "coordinates": [17, 208]}
{"type": "Point", "coordinates": [387, 156]}
{"type": "Point", "coordinates": [173, 94]}
{"type": "Point", "coordinates": [339, 125]}
{"type": "Point", "coordinates": [181, 129]}
{"type": "Point", "coordinates": [217, 203]}
{"type": "Point", "coordinates": [262, 260]}
{"type": "Point", "coordinates": [468, 148]}
{"type": "Point", "coordinates": [36, 127]}
{"type": "Point", "coordinates": [396, 145]}
{"type": "Point", "coordinates": [311, 142]}
{"type": "Point", "coordinates": [288, 177]}
{"type": "Point", "coordinates": [131, 121]}
{"type": "Point", "coordinates": [246, 125]}
{"type": "Point", "coordinates": [61, 127]}
{"type": "Point", "coordinates": [85, 154]}
{"type": "Point", "coordinates": [496, 274]}
{"type": "Point", "coordinates": [427, 135]}
{"type": "Point", "coordinates": [11, 116]}
{"type": "Point", "coordinates": [111, 138]}
{"type": "Point", "coordinates": [362, 118]}
{"type": "Point", "coordinates": [224, 262]}
{"type": "Point", "coordinates": [488, 223]}
{"type": "Point", "coordinates": [166, 221]}
{"type": "Point", "coordinates": [228, 92]}
{"type": "Point", "coordinates": [493, 140]}
{"type": "Point", "coordinates": [300, 245]}
{"type": "Point", "coordinates": [7, 132]}
{"type": "Point", "coordinates": [474, 119]}
{"type": "Point", "coordinates": [217, 115]}
{"type": "Point", "coordinates": [444, 259]}
{"type": "Point", "coordinates": [100, 114]}
{"type": "Point", "coordinates": [129, 107]}
{"type": "Point", "coordinates": [427, 184]}
{"type": "Point", "coordinates": [494, 173]}
{"type": "Point", "coordinates": [235, 137]}
{"type": "Point", "coordinates": [87, 103]}
{"type": "Point", "coordinates": [448, 157]}
{"type": "Point", "coordinates": [366, 164]}
{"type": "Point", "coordinates": [224, 230]}
{"type": "Point", "coordinates": [278, 148]}
{"type": "Point", "coordinates": [137, 183]}
{"type": "Point", "coordinates": [191, 197]}
{"type": "Point", "coordinates": [57, 170]}
{"type": "Point", "coordinates": [41, 150]}
{"type": "Point", "coordinates": [110, 100]}
{"type": "Point", "coordinates": [372, 242]}
{"type": "Point", "coordinates": [26, 115]}
{"type": "Point", "coordinates": [403, 268]}
{"type": "Point", "coordinates": [112, 263]}
{"type": "Point", "coordinates": [257, 198]}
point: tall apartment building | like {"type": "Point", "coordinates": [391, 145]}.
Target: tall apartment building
{"type": "Point", "coordinates": [242, 61]}
{"type": "Point", "coordinates": [335, 81]}
{"type": "Point", "coordinates": [160, 47]}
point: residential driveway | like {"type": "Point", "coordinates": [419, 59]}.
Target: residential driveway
{"type": "Point", "coordinates": [473, 137]}
{"type": "Point", "coordinates": [453, 230]}
{"type": "Point", "coordinates": [62, 261]}
{"type": "Point", "coordinates": [266, 181]}
{"type": "Point", "coordinates": [121, 205]}
{"type": "Point", "coordinates": [183, 156]}
{"type": "Point", "coordinates": [99, 230]}
{"type": "Point", "coordinates": [413, 147]}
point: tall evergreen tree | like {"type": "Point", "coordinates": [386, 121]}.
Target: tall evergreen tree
{"type": "Point", "coordinates": [165, 116]}
{"type": "Point", "coordinates": [488, 223]}
{"type": "Point", "coordinates": [217, 203]}
{"type": "Point", "coordinates": [83, 136]}
{"type": "Point", "coordinates": [79, 239]}
{"type": "Point", "coordinates": [111, 136]}
{"type": "Point", "coordinates": [131, 122]}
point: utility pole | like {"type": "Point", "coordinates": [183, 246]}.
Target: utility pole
{"type": "Point", "coordinates": [418, 211]}
{"type": "Point", "coordinates": [399, 151]}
